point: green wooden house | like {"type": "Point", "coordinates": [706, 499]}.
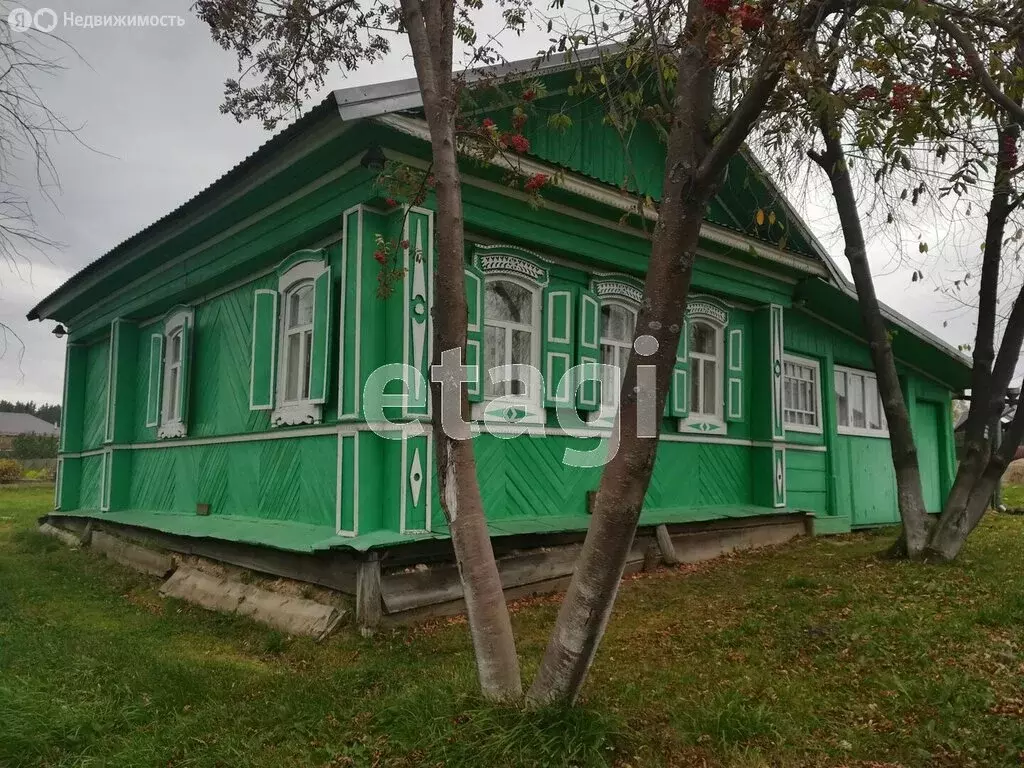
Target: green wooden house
{"type": "Point", "coordinates": [217, 364]}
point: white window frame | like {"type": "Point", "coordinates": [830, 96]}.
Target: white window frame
{"type": "Point", "coordinates": [172, 424]}
{"type": "Point", "coordinates": [719, 357]}
{"type": "Point", "coordinates": [535, 400]}
{"type": "Point", "coordinates": [860, 431]}
{"type": "Point", "coordinates": [805, 362]}
{"type": "Point", "coordinates": [300, 411]}
{"type": "Point", "coordinates": [605, 414]}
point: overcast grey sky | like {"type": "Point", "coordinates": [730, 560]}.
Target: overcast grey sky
{"type": "Point", "coordinates": [147, 101]}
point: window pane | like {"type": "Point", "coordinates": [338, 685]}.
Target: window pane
{"type": "Point", "coordinates": [842, 402]}
{"type": "Point", "coordinates": [494, 354]}
{"type": "Point", "coordinates": [703, 338]}
{"type": "Point", "coordinates": [172, 394]}
{"type": "Point", "coordinates": [521, 348]}
{"type": "Point", "coordinates": [609, 380]}
{"type": "Point", "coordinates": [856, 384]}
{"type": "Point", "coordinates": [300, 306]}
{"type": "Point", "coordinates": [508, 302]}
{"type": "Point", "coordinates": [292, 362]}
{"type": "Point", "coordinates": [307, 359]}
{"type": "Point", "coordinates": [872, 404]}
{"type": "Point", "coordinates": [176, 347]}
{"type": "Point", "coordinates": [617, 323]}
{"type": "Point", "coordinates": [710, 385]}
{"type": "Point", "coordinates": [695, 386]}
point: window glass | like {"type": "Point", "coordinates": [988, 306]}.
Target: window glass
{"type": "Point", "coordinates": [298, 342]}
{"type": "Point", "coordinates": [618, 324]}
{"type": "Point", "coordinates": [858, 405]}
{"type": "Point", "coordinates": [509, 338]}
{"type": "Point", "coordinates": [842, 401]}
{"type": "Point", "coordinates": [704, 370]}
{"type": "Point", "coordinates": [872, 405]}
{"type": "Point", "coordinates": [856, 385]}
{"type": "Point", "coordinates": [800, 394]}
{"type": "Point", "coordinates": [508, 302]}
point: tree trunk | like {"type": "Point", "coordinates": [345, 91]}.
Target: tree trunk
{"type": "Point", "coordinates": [693, 170]}
{"type": "Point", "coordinates": [968, 498]}
{"type": "Point", "coordinates": [910, 498]}
{"type": "Point", "coordinates": [430, 37]}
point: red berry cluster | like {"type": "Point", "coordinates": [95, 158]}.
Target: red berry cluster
{"type": "Point", "coordinates": [487, 123]}
{"type": "Point", "coordinates": [902, 95]}
{"type": "Point", "coordinates": [535, 182]}
{"type": "Point", "coordinates": [516, 142]}
{"type": "Point", "coordinates": [379, 256]}
{"type": "Point", "coordinates": [868, 93]}
{"type": "Point", "coordinates": [529, 94]}
{"type": "Point", "coordinates": [751, 18]}
{"type": "Point", "coordinates": [1010, 150]}
{"type": "Point", "coordinates": [956, 71]}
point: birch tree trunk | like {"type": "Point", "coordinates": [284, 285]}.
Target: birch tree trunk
{"type": "Point", "coordinates": [430, 30]}
{"type": "Point", "coordinates": [910, 498]}
{"type": "Point", "coordinates": [693, 170]}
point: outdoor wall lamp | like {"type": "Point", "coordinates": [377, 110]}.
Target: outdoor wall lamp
{"type": "Point", "coordinates": [60, 331]}
{"type": "Point", "coordinates": [374, 159]}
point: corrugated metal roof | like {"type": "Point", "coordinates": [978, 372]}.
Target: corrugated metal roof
{"type": "Point", "coordinates": [25, 424]}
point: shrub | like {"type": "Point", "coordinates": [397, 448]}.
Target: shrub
{"type": "Point", "coordinates": [10, 471]}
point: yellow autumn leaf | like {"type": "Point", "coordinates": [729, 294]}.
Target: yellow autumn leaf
{"type": "Point", "coordinates": [771, 218]}
{"type": "Point", "coordinates": [760, 217]}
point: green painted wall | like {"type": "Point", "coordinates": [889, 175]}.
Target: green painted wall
{"type": "Point", "coordinates": [295, 479]}
{"type": "Point", "coordinates": [285, 480]}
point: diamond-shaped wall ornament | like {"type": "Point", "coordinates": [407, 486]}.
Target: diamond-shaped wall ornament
{"type": "Point", "coordinates": [416, 477]}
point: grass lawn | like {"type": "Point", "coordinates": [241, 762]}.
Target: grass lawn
{"type": "Point", "coordinates": [814, 654]}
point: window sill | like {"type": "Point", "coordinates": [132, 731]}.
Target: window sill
{"type": "Point", "coordinates": [804, 428]}
{"type": "Point", "coordinates": [881, 434]}
{"type": "Point", "coordinates": [291, 414]}
{"type": "Point", "coordinates": [171, 429]}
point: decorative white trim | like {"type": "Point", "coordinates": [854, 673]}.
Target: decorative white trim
{"type": "Point", "coordinates": [176, 322]}
{"type": "Point", "coordinates": [300, 412]}
{"type": "Point", "coordinates": [700, 308]}
{"type": "Point", "coordinates": [153, 420]}
{"type": "Point", "coordinates": [416, 341]}
{"type": "Point", "coordinates": [502, 260]}
{"type": "Point", "coordinates": [106, 477]}
{"type": "Point", "coordinates": [610, 287]}
{"type": "Point", "coordinates": [303, 411]}
{"type": "Point", "coordinates": [58, 483]}
{"type": "Point", "coordinates": [108, 423]}
{"type": "Point", "coordinates": [736, 364]}
{"type": "Point", "coordinates": [566, 336]}
{"type": "Point", "coordinates": [703, 425]}
{"type": "Point", "coordinates": [734, 397]}
{"type": "Point", "coordinates": [350, 428]}
{"type": "Point", "coordinates": [339, 498]}
{"type": "Point", "coordinates": [421, 467]}
{"type": "Point", "coordinates": [807, 362]}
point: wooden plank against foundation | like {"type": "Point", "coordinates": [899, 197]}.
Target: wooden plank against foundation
{"type": "Point", "coordinates": [668, 549]}
{"type": "Point", "coordinates": [369, 606]}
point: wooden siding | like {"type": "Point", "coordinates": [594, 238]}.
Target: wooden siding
{"type": "Point", "coordinates": [287, 480]}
